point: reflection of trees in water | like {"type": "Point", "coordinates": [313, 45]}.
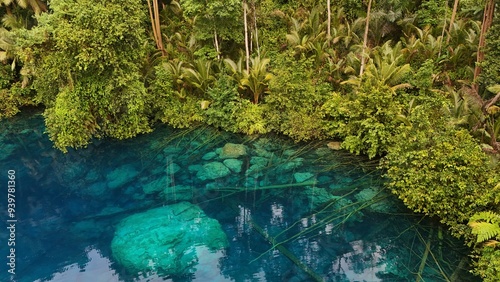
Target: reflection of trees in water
{"type": "Point", "coordinates": [338, 242]}
{"type": "Point", "coordinates": [381, 247]}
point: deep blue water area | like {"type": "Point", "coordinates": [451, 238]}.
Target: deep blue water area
{"type": "Point", "coordinates": [286, 211]}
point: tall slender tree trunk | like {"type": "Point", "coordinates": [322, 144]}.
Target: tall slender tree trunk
{"type": "Point", "coordinates": [42, 6]}
{"type": "Point", "coordinates": [329, 23]}
{"type": "Point", "coordinates": [154, 15]}
{"type": "Point", "coordinates": [365, 39]}
{"type": "Point", "coordinates": [452, 20]}
{"type": "Point", "coordinates": [487, 21]}
{"type": "Point", "coordinates": [255, 26]}
{"type": "Point", "coordinates": [247, 51]}
{"type": "Point", "coordinates": [216, 43]}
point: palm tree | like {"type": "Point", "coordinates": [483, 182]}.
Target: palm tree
{"type": "Point", "coordinates": [199, 76]}
{"type": "Point", "coordinates": [176, 70]}
{"type": "Point", "coordinates": [7, 46]}
{"type": "Point", "coordinates": [385, 68]}
{"type": "Point", "coordinates": [452, 20]}
{"type": "Point", "coordinates": [237, 70]}
{"type": "Point", "coordinates": [37, 6]}
{"type": "Point", "coordinates": [304, 35]}
{"type": "Point", "coordinates": [257, 80]}
{"type": "Point", "coordinates": [485, 113]}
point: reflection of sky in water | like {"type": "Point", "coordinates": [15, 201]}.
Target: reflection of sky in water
{"type": "Point", "coordinates": [97, 269]}
{"type": "Point", "coordinates": [68, 213]}
{"type": "Point", "coordinates": [346, 263]}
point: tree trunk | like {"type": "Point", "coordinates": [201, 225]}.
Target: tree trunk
{"type": "Point", "coordinates": [216, 43]}
{"type": "Point", "coordinates": [452, 20]}
{"type": "Point", "coordinates": [487, 21]}
{"type": "Point", "coordinates": [329, 23]}
{"type": "Point", "coordinates": [247, 51]}
{"type": "Point", "coordinates": [42, 6]}
{"type": "Point", "coordinates": [154, 15]}
{"type": "Point", "coordinates": [365, 39]}
{"type": "Point", "coordinates": [255, 26]}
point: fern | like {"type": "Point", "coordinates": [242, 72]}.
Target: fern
{"type": "Point", "coordinates": [485, 225]}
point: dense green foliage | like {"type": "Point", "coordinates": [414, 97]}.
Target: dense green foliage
{"type": "Point", "coordinates": [441, 171]}
{"type": "Point", "coordinates": [97, 69]}
{"type": "Point", "coordinates": [86, 70]}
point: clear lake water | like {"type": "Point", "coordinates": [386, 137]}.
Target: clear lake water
{"type": "Point", "coordinates": [290, 212]}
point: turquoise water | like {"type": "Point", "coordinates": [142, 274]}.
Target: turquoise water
{"type": "Point", "coordinates": [287, 212]}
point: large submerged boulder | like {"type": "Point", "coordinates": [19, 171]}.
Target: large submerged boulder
{"type": "Point", "coordinates": [302, 176]}
{"type": "Point", "coordinates": [233, 164]}
{"type": "Point", "coordinates": [213, 171]}
{"type": "Point", "coordinates": [166, 239]}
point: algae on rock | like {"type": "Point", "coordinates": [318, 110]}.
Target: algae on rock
{"type": "Point", "coordinates": [233, 151]}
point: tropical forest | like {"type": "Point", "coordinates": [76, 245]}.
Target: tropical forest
{"type": "Point", "coordinates": [404, 93]}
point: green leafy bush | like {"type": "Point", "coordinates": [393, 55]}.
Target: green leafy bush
{"type": "Point", "coordinates": [170, 106]}
{"type": "Point", "coordinates": [366, 119]}
{"type": "Point", "coordinates": [85, 57]}
{"type": "Point", "coordinates": [295, 99]}
{"type": "Point", "coordinates": [439, 170]}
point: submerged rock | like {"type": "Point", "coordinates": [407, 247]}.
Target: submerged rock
{"type": "Point", "coordinates": [302, 176]}
{"type": "Point", "coordinates": [166, 239]}
{"type": "Point", "coordinates": [259, 161]}
{"type": "Point", "coordinates": [178, 193]}
{"type": "Point", "coordinates": [172, 168]}
{"type": "Point", "coordinates": [208, 156]}
{"type": "Point", "coordinates": [255, 170]}
{"type": "Point", "coordinates": [317, 196]}
{"type": "Point", "coordinates": [233, 151]}
{"type": "Point", "coordinates": [156, 185]}
{"type": "Point", "coordinates": [290, 165]}
{"type": "Point", "coordinates": [121, 176]}
{"type": "Point", "coordinates": [334, 145]}
{"type": "Point", "coordinates": [92, 176]}
{"type": "Point", "coordinates": [263, 153]}
{"type": "Point", "coordinates": [169, 150]}
{"type": "Point", "coordinates": [195, 168]}
{"type": "Point", "coordinates": [233, 164]}
{"type": "Point", "coordinates": [6, 151]}
{"type": "Point", "coordinates": [97, 190]}
{"type": "Point", "coordinates": [72, 171]}
{"type": "Point", "coordinates": [379, 204]}
{"type": "Point", "coordinates": [213, 171]}
{"type": "Point", "coordinates": [289, 152]}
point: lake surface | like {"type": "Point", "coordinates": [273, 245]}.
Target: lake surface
{"type": "Point", "coordinates": [282, 211]}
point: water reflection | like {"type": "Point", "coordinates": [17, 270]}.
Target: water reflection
{"type": "Point", "coordinates": [291, 212]}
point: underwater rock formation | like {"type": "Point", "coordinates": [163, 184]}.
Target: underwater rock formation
{"type": "Point", "coordinates": [213, 171]}
{"type": "Point", "coordinates": [156, 185]}
{"type": "Point", "coordinates": [166, 239]}
{"type": "Point", "coordinates": [233, 151]}
{"type": "Point", "coordinates": [121, 176]}
{"type": "Point", "coordinates": [302, 176]}
{"type": "Point", "coordinates": [233, 164]}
